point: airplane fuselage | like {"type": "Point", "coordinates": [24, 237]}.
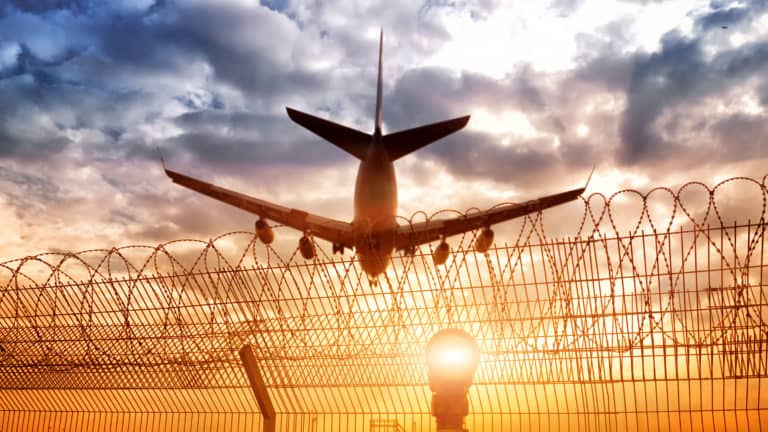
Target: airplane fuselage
{"type": "Point", "coordinates": [375, 209]}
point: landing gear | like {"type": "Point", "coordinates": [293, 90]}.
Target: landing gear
{"type": "Point", "coordinates": [373, 242]}
{"type": "Point", "coordinates": [338, 248]}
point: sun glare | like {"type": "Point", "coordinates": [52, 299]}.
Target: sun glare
{"type": "Point", "coordinates": [608, 181]}
{"type": "Point", "coordinates": [582, 130]}
{"type": "Point", "coordinates": [455, 357]}
{"type": "Point", "coordinates": [508, 124]}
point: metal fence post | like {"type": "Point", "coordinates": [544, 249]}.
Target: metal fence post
{"type": "Point", "coordinates": [259, 388]}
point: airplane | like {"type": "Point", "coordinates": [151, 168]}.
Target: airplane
{"type": "Point", "coordinates": [374, 232]}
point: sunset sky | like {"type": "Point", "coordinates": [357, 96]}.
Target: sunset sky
{"type": "Point", "coordinates": [652, 93]}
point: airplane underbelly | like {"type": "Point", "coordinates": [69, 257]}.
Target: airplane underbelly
{"type": "Point", "coordinates": [375, 220]}
{"type": "Point", "coordinates": [374, 250]}
{"type": "Point", "coordinates": [375, 227]}
{"type": "Point", "coordinates": [376, 209]}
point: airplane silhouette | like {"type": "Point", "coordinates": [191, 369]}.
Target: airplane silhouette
{"type": "Point", "coordinates": [374, 232]}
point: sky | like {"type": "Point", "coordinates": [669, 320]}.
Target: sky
{"type": "Point", "coordinates": [650, 93]}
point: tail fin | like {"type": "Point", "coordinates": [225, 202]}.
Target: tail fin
{"type": "Point", "coordinates": [401, 143]}
{"type": "Point", "coordinates": [350, 140]}
{"type": "Point", "coordinates": [397, 144]}
{"type": "Point", "coordinates": [377, 131]}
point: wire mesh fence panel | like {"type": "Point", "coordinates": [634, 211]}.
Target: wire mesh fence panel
{"type": "Point", "coordinates": [654, 321]}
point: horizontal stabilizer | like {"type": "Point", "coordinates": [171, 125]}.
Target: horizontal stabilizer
{"type": "Point", "coordinates": [350, 140]}
{"type": "Point", "coordinates": [401, 143]}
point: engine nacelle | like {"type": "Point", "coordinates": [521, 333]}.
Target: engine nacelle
{"type": "Point", "coordinates": [484, 240]}
{"type": "Point", "coordinates": [264, 232]}
{"type": "Point", "coordinates": [307, 247]}
{"type": "Point", "coordinates": [441, 252]}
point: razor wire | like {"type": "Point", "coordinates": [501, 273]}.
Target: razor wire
{"type": "Point", "coordinates": [662, 303]}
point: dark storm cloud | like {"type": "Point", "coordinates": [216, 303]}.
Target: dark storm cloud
{"type": "Point", "coordinates": [663, 88]}
{"type": "Point", "coordinates": [24, 130]}
{"type": "Point", "coordinates": [602, 59]}
{"type": "Point", "coordinates": [105, 64]}
{"type": "Point", "coordinates": [432, 94]}
{"type": "Point", "coordinates": [529, 163]}
{"type": "Point", "coordinates": [114, 62]}
{"type": "Point", "coordinates": [43, 6]}
{"type": "Point", "coordinates": [763, 94]}
{"type": "Point", "coordinates": [731, 14]}
{"type": "Point", "coordinates": [39, 91]}
{"type": "Point", "coordinates": [209, 147]}
{"type": "Point", "coordinates": [212, 33]}
{"type": "Point", "coordinates": [477, 154]}
{"type": "Point", "coordinates": [252, 139]}
{"type": "Point", "coordinates": [743, 136]}
{"type": "Point", "coordinates": [609, 72]}
{"type": "Point", "coordinates": [127, 71]}
{"type": "Point", "coordinates": [41, 70]}
{"type": "Point", "coordinates": [679, 74]}
{"type": "Point", "coordinates": [659, 88]}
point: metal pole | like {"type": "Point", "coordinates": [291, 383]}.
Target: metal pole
{"type": "Point", "coordinates": [259, 388]}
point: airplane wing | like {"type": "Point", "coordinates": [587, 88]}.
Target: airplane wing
{"type": "Point", "coordinates": [412, 235]}
{"type": "Point", "coordinates": [328, 229]}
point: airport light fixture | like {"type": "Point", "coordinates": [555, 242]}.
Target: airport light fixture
{"type": "Point", "coordinates": [452, 358]}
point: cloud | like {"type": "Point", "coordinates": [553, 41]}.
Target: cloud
{"type": "Point", "coordinates": [25, 130]}
{"type": "Point", "coordinates": [40, 70]}
{"type": "Point", "coordinates": [721, 15]}
{"type": "Point", "coordinates": [234, 138]}
{"type": "Point", "coordinates": [130, 70]}
{"type": "Point", "coordinates": [679, 74]}
{"type": "Point", "coordinates": [44, 6]}
{"type": "Point", "coordinates": [476, 154]}
{"type": "Point", "coordinates": [90, 89]}
{"type": "Point", "coordinates": [126, 67]}
{"type": "Point", "coordinates": [476, 9]}
{"type": "Point", "coordinates": [28, 188]}
{"type": "Point", "coordinates": [433, 94]}
{"type": "Point", "coordinates": [744, 136]}
{"type": "Point", "coordinates": [509, 155]}
{"type": "Point", "coordinates": [565, 7]}
{"type": "Point", "coordinates": [763, 94]}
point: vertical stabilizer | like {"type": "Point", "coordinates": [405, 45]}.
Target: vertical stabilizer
{"type": "Point", "coordinates": [379, 86]}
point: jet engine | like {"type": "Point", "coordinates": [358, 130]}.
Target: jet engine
{"type": "Point", "coordinates": [264, 231]}
{"type": "Point", "coordinates": [484, 240]}
{"type": "Point", "coordinates": [306, 247]}
{"type": "Point", "coordinates": [440, 254]}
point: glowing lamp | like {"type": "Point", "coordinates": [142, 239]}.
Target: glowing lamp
{"type": "Point", "coordinates": [452, 358]}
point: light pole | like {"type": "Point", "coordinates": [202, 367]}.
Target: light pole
{"type": "Point", "coordinates": [452, 358]}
